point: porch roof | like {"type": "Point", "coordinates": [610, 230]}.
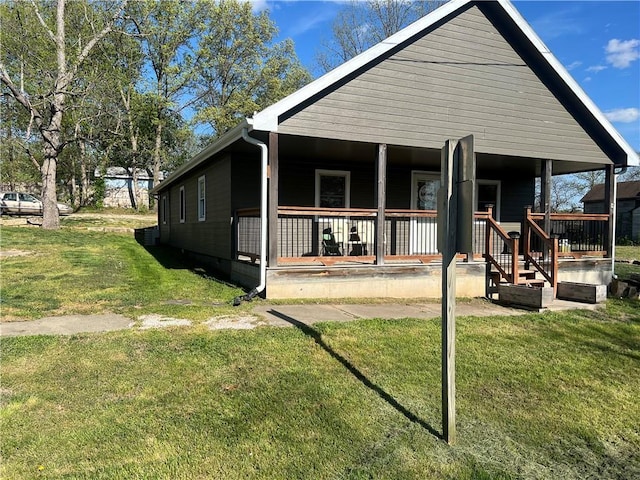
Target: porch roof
{"type": "Point", "coordinates": [268, 119]}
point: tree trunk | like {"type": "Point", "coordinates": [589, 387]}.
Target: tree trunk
{"type": "Point", "coordinates": [84, 177]}
{"type": "Point", "coordinates": [50, 214]}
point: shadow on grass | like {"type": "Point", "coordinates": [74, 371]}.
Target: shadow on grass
{"type": "Point", "coordinates": [317, 337]}
{"type": "Point", "coordinates": [175, 259]}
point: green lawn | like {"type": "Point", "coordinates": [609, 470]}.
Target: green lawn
{"type": "Point", "coordinates": [629, 253]}
{"type": "Point", "coordinates": [540, 396]}
{"type": "Point", "coordinates": [82, 271]}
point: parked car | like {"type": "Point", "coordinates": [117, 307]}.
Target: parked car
{"type": "Point", "coordinates": [19, 203]}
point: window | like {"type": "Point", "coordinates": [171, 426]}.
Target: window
{"type": "Point", "coordinates": [333, 189]}
{"type": "Point", "coordinates": [183, 206]}
{"type": "Point", "coordinates": [164, 209]}
{"type": "Point", "coordinates": [25, 197]}
{"type": "Point", "coordinates": [202, 202]}
{"type": "Point", "coordinates": [488, 193]}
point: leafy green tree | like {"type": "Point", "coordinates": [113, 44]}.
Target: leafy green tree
{"type": "Point", "coordinates": [362, 24]}
{"type": "Point", "coordinates": [48, 44]}
{"type": "Point", "coordinates": [167, 31]}
{"type": "Point", "coordinates": [239, 70]}
{"type": "Point", "coordinates": [16, 168]}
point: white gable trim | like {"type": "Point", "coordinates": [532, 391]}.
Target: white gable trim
{"type": "Point", "coordinates": [267, 119]}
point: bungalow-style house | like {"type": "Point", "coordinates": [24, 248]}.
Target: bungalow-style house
{"type": "Point", "coordinates": [331, 192]}
{"type": "Point", "coordinates": [627, 208]}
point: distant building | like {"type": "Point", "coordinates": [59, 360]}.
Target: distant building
{"type": "Point", "coordinates": [120, 190]}
{"type": "Point", "coordinates": [627, 208]}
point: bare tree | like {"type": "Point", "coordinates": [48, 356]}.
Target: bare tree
{"type": "Point", "coordinates": [362, 24]}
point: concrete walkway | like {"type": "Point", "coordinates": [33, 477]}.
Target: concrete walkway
{"type": "Point", "coordinates": [269, 315]}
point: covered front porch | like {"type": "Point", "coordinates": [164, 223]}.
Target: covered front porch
{"type": "Point", "coordinates": [359, 219]}
{"type": "Point", "coordinates": [333, 253]}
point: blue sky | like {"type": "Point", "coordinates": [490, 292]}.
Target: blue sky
{"type": "Point", "coordinates": [597, 41]}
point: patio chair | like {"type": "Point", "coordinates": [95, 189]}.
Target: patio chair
{"type": "Point", "coordinates": [356, 245]}
{"type": "Point", "coordinates": [329, 244]}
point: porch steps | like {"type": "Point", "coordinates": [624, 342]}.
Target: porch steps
{"type": "Point", "coordinates": [525, 277]}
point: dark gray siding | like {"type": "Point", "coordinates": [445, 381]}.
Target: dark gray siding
{"type": "Point", "coordinates": [594, 207]}
{"type": "Point", "coordinates": [245, 181]}
{"type": "Point", "coordinates": [212, 236]}
{"type": "Point", "coordinates": [624, 215]}
{"type": "Point", "coordinates": [462, 78]}
{"type": "Point", "coordinates": [164, 218]}
{"type": "Point", "coordinates": [297, 186]}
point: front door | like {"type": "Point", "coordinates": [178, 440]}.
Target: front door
{"type": "Point", "coordinates": [424, 196]}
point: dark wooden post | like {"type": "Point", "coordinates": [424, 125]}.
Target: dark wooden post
{"type": "Point", "coordinates": [488, 247]}
{"type": "Point", "coordinates": [447, 220]}
{"type": "Point", "coordinates": [610, 207]}
{"type": "Point", "coordinates": [382, 202]}
{"type": "Point", "coordinates": [273, 199]}
{"type": "Point", "coordinates": [545, 194]}
{"type": "Point", "coordinates": [526, 236]}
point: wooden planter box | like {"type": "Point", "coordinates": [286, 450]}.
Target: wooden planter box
{"type": "Point", "coordinates": [535, 297]}
{"type": "Point", "coordinates": [582, 292]}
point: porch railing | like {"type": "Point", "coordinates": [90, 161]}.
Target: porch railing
{"type": "Point", "coordinates": [411, 235]}
{"type": "Point", "coordinates": [408, 234]}
{"type": "Point", "coordinates": [247, 238]}
{"type": "Point", "coordinates": [583, 234]}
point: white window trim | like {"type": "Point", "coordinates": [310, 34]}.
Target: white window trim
{"type": "Point", "coordinates": [183, 205]}
{"type": "Point", "coordinates": [496, 207]}
{"type": "Point", "coordinates": [202, 199]}
{"type": "Point", "coordinates": [336, 173]}
{"type": "Point", "coordinates": [421, 173]}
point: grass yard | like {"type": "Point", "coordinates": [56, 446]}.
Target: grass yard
{"type": "Point", "coordinates": [542, 396]}
{"type": "Point", "coordinates": [628, 253]}
{"type": "Point", "coordinates": [539, 396]}
{"type": "Point", "coordinates": [73, 271]}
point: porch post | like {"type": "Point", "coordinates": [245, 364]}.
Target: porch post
{"type": "Point", "coordinates": [382, 202]}
{"type": "Point", "coordinates": [273, 199]}
{"type": "Point", "coordinates": [545, 194]}
{"type": "Point", "coordinates": [610, 208]}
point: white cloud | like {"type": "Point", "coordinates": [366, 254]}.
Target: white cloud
{"type": "Point", "coordinates": [623, 115]}
{"type": "Point", "coordinates": [573, 65]}
{"type": "Point", "coordinates": [596, 68]}
{"type": "Point", "coordinates": [620, 53]}
{"type": "Point", "coordinates": [310, 22]}
{"type": "Point", "coordinates": [558, 24]}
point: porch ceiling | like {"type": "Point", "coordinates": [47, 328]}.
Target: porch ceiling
{"type": "Point", "coordinates": [291, 146]}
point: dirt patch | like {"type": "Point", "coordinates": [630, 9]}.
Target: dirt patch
{"type": "Point", "coordinates": [215, 323]}
{"type": "Point", "coordinates": [234, 323]}
{"type": "Point", "coordinates": [14, 253]}
{"type": "Point", "coordinates": [159, 321]}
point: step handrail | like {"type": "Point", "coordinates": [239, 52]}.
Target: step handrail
{"type": "Point", "coordinates": [549, 265]}
{"type": "Point", "coordinates": [506, 264]}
